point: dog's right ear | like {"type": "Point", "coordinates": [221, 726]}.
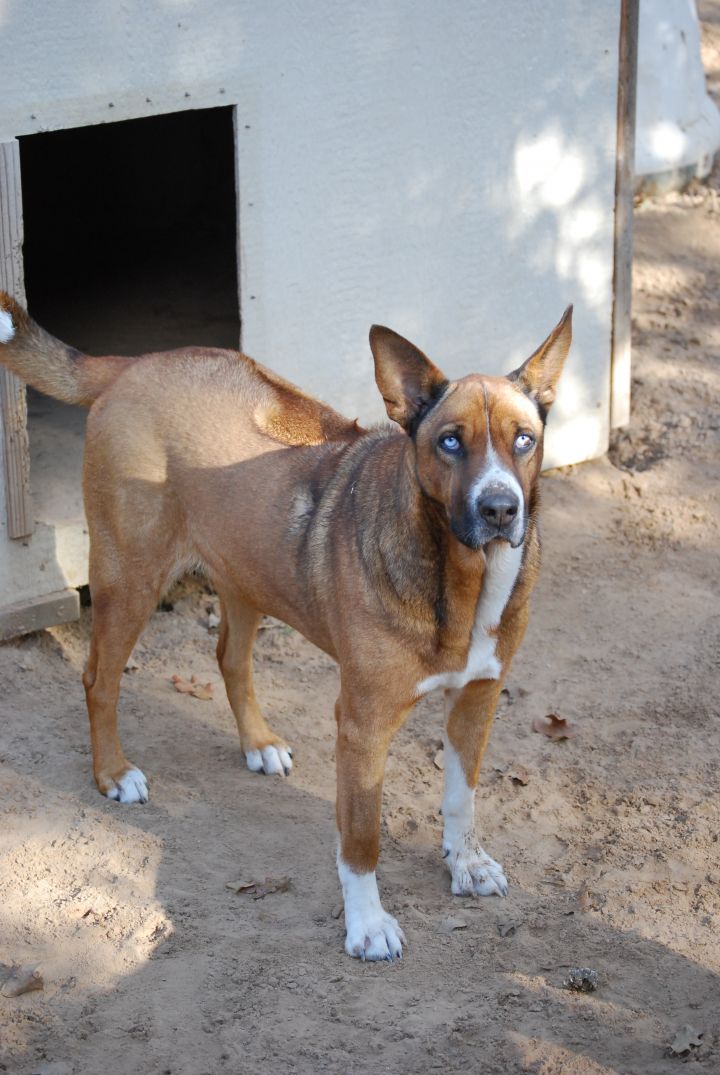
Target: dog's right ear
{"type": "Point", "coordinates": [407, 379]}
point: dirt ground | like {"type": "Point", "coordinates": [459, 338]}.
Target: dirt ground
{"type": "Point", "coordinates": [610, 839]}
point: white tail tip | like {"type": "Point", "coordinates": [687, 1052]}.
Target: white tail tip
{"type": "Point", "coordinates": [7, 329]}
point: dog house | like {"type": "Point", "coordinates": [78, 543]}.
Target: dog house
{"type": "Point", "coordinates": [281, 176]}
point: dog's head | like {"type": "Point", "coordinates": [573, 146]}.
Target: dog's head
{"type": "Point", "coordinates": [478, 441]}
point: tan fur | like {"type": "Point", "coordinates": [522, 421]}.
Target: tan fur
{"type": "Point", "coordinates": [202, 455]}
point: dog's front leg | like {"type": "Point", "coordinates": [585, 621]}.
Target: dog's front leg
{"type": "Point", "coordinates": [470, 716]}
{"type": "Point", "coordinates": [362, 748]}
{"type": "Point", "coordinates": [470, 713]}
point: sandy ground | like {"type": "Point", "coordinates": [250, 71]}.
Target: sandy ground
{"type": "Point", "coordinates": [152, 964]}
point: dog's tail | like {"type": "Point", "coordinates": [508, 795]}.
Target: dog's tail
{"type": "Point", "coordinates": [49, 365]}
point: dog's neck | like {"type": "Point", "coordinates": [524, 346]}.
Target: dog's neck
{"type": "Point", "coordinates": [437, 577]}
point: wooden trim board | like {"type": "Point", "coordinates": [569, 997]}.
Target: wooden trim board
{"type": "Point", "coordinates": [38, 613]}
{"type": "Point", "coordinates": [13, 409]}
{"type": "Point", "coordinates": [620, 354]}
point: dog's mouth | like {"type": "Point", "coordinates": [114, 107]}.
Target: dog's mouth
{"type": "Point", "coordinates": [476, 533]}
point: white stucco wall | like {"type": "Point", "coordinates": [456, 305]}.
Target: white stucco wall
{"type": "Point", "coordinates": [446, 169]}
{"type": "Point", "coordinates": [678, 125]}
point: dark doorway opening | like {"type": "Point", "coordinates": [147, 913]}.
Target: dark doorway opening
{"type": "Point", "coordinates": [130, 246]}
{"type": "Point", "coordinates": [130, 232]}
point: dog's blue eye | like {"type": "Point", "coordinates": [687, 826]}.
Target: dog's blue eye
{"type": "Point", "coordinates": [524, 442]}
{"type": "Point", "coordinates": [450, 443]}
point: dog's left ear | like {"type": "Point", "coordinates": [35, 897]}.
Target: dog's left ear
{"type": "Point", "coordinates": [539, 375]}
{"type": "Point", "coordinates": [407, 379]}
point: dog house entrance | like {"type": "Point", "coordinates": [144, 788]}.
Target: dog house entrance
{"type": "Point", "coordinates": [130, 246]}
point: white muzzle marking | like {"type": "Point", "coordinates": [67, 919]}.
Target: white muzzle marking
{"type": "Point", "coordinates": [495, 474]}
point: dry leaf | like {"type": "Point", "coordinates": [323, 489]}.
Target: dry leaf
{"type": "Point", "coordinates": [519, 774]}
{"type": "Point", "coordinates": [686, 1038]}
{"type": "Point", "coordinates": [554, 727]}
{"type": "Point", "coordinates": [260, 889]}
{"type": "Point", "coordinates": [181, 685]}
{"type": "Point", "coordinates": [508, 929]}
{"type": "Point", "coordinates": [439, 760]}
{"type": "Point", "coordinates": [240, 886]}
{"type": "Point", "coordinates": [22, 980]}
{"type": "Point", "coordinates": [203, 691]}
{"type": "Point", "coordinates": [270, 885]}
{"type": "Point", "coordinates": [451, 923]}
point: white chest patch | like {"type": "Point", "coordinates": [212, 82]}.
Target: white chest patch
{"type": "Point", "coordinates": [501, 572]}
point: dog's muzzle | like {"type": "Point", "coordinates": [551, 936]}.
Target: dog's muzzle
{"type": "Point", "coordinates": [497, 512]}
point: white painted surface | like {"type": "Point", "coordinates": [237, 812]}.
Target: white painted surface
{"type": "Point", "coordinates": [678, 125]}
{"type": "Point", "coordinates": [7, 329]}
{"type": "Point", "coordinates": [53, 559]}
{"type": "Point", "coordinates": [445, 170]}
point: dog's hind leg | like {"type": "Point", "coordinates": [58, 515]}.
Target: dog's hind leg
{"type": "Point", "coordinates": [123, 598]}
{"type": "Point", "coordinates": [264, 751]}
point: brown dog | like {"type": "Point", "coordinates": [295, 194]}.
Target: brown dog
{"type": "Point", "coordinates": [407, 555]}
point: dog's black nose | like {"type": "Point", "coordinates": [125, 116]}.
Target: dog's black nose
{"type": "Point", "coordinates": [498, 508]}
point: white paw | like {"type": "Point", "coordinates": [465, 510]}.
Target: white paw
{"type": "Point", "coordinates": [474, 873]}
{"type": "Point", "coordinates": [130, 788]}
{"type": "Point", "coordinates": [270, 760]}
{"type": "Point", "coordinates": [371, 932]}
{"type": "Point", "coordinates": [374, 936]}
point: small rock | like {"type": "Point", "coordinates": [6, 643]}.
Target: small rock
{"type": "Point", "coordinates": [589, 900]}
{"type": "Point", "coordinates": [439, 760]}
{"type": "Point", "coordinates": [686, 1039]}
{"type": "Point", "coordinates": [24, 979]}
{"type": "Point", "coordinates": [213, 621]}
{"type": "Point", "coordinates": [582, 980]}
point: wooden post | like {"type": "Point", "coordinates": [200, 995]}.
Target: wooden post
{"type": "Point", "coordinates": [13, 408]}
{"type": "Point", "coordinates": [238, 243]}
{"type": "Point", "coordinates": [620, 354]}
